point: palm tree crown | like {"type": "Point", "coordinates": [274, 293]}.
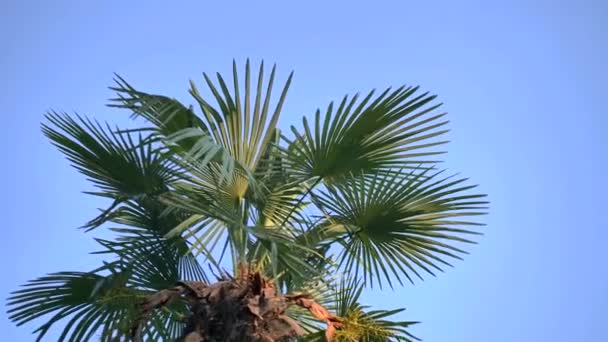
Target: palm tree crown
{"type": "Point", "coordinates": [349, 199]}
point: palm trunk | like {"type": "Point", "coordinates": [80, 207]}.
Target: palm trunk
{"type": "Point", "coordinates": [247, 308]}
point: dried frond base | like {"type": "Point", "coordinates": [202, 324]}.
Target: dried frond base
{"type": "Point", "coordinates": [246, 308]}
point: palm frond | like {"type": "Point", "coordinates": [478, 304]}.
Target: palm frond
{"type": "Point", "coordinates": [393, 130]}
{"type": "Point", "coordinates": [358, 322]}
{"type": "Point", "coordinates": [213, 216]}
{"type": "Point", "coordinates": [277, 252]}
{"type": "Point", "coordinates": [109, 304]}
{"type": "Point", "coordinates": [243, 128]}
{"type": "Point", "coordinates": [363, 325]}
{"type": "Point", "coordinates": [94, 302]}
{"type": "Point", "coordinates": [118, 165]}
{"type": "Point", "coordinates": [396, 225]}
{"type": "Point", "coordinates": [177, 128]}
{"type": "Point", "coordinates": [236, 134]}
{"type": "Point", "coordinates": [167, 115]}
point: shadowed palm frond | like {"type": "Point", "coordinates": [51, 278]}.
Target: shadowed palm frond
{"type": "Point", "coordinates": [358, 322]}
{"type": "Point", "coordinates": [238, 133]}
{"type": "Point", "coordinates": [107, 300]}
{"type": "Point", "coordinates": [393, 130]}
{"type": "Point", "coordinates": [278, 252]}
{"type": "Point", "coordinates": [90, 303]}
{"type": "Point", "coordinates": [393, 226]}
{"type": "Point", "coordinates": [122, 168]}
{"type": "Point", "coordinates": [117, 164]}
{"type": "Point", "coordinates": [183, 135]}
{"type": "Point", "coordinates": [364, 325]}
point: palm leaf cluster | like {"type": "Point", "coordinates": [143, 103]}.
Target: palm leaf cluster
{"type": "Point", "coordinates": [350, 198]}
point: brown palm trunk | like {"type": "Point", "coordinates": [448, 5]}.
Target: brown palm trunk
{"type": "Point", "coordinates": [247, 308]}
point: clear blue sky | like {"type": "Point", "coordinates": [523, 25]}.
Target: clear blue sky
{"type": "Point", "coordinates": [524, 83]}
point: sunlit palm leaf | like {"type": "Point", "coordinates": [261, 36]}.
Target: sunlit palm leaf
{"type": "Point", "coordinates": [280, 203]}
{"type": "Point", "coordinates": [281, 199]}
{"type": "Point", "coordinates": [241, 128]}
{"type": "Point", "coordinates": [243, 125]}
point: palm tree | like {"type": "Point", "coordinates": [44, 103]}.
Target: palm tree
{"type": "Point", "coordinates": [228, 230]}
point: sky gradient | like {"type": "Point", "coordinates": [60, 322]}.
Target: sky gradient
{"type": "Point", "coordinates": [522, 81]}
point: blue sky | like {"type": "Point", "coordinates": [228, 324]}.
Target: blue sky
{"type": "Point", "coordinates": [522, 82]}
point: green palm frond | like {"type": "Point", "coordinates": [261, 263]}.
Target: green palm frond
{"type": "Point", "coordinates": [277, 252]}
{"type": "Point", "coordinates": [243, 126]}
{"type": "Point", "coordinates": [359, 323]}
{"type": "Point", "coordinates": [97, 302]}
{"type": "Point", "coordinates": [122, 168]}
{"type": "Point", "coordinates": [279, 204]}
{"type": "Point", "coordinates": [143, 227]}
{"type": "Point", "coordinates": [395, 225]}
{"type": "Point", "coordinates": [117, 164]}
{"type": "Point", "coordinates": [93, 303]}
{"type": "Point", "coordinates": [168, 116]}
{"type": "Point", "coordinates": [155, 263]}
{"type": "Point", "coordinates": [183, 135]}
{"type": "Point", "coordinates": [364, 325]}
{"type": "Point", "coordinates": [281, 200]}
{"type": "Point", "coordinates": [108, 304]}
{"type": "Point", "coordinates": [213, 217]}
{"type": "Point", "coordinates": [237, 133]}
{"type": "Point", "coordinates": [393, 130]}
{"type": "Point", "coordinates": [219, 151]}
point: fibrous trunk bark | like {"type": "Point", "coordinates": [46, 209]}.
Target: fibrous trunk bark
{"type": "Point", "coordinates": [246, 308]}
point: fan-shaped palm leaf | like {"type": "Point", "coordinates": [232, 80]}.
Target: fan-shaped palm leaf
{"type": "Point", "coordinates": [108, 304]}
{"type": "Point", "coordinates": [363, 325]}
{"type": "Point", "coordinates": [93, 303]}
{"type": "Point", "coordinates": [357, 322]}
{"type": "Point", "coordinates": [394, 225]}
{"type": "Point", "coordinates": [395, 129]}
{"type": "Point", "coordinates": [112, 161]}
{"type": "Point", "coordinates": [121, 168]}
